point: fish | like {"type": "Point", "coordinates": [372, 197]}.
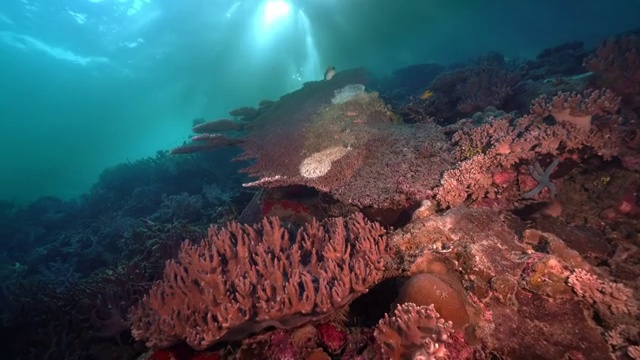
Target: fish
{"type": "Point", "coordinates": [427, 94]}
{"type": "Point", "coordinates": [330, 73]}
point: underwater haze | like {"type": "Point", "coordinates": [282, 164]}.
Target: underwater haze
{"type": "Point", "coordinates": [87, 84]}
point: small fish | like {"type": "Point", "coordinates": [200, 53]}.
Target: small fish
{"type": "Point", "coordinates": [330, 73]}
{"type": "Point", "coordinates": [427, 94]}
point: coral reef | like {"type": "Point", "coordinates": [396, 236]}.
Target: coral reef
{"type": "Point", "coordinates": [484, 210]}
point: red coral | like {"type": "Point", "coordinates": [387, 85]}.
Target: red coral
{"type": "Point", "coordinates": [504, 178]}
{"type": "Point", "coordinates": [182, 353]}
{"type": "Point", "coordinates": [162, 355]}
{"type": "Point", "coordinates": [281, 348]}
{"type": "Point", "coordinates": [332, 337]}
{"type": "Point", "coordinates": [286, 205]}
{"type": "Point", "coordinates": [628, 205]}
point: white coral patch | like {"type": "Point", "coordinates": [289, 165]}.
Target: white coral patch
{"type": "Point", "coordinates": [319, 163]}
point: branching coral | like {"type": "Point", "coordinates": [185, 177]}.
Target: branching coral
{"type": "Point", "coordinates": [497, 145]}
{"type": "Point", "coordinates": [616, 65]}
{"type": "Point", "coordinates": [241, 279]}
{"type": "Point", "coordinates": [607, 296]}
{"type": "Point", "coordinates": [413, 332]}
{"type": "Point", "coordinates": [580, 109]}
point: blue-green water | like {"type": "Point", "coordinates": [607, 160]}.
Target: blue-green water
{"type": "Point", "coordinates": [86, 84]}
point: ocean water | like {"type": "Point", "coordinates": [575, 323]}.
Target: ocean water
{"type": "Point", "coordinates": [90, 84]}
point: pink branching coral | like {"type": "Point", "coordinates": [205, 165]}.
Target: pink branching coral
{"type": "Point", "coordinates": [242, 278]}
{"type": "Point", "coordinates": [472, 178]}
{"type": "Point", "coordinates": [616, 65]}
{"type": "Point", "coordinates": [608, 297]}
{"type": "Point", "coordinates": [497, 145]}
{"type": "Point", "coordinates": [623, 335]}
{"type": "Point", "coordinates": [413, 332]}
{"type": "Point", "coordinates": [580, 109]}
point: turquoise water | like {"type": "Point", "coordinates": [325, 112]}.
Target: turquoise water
{"type": "Point", "coordinates": [90, 84]}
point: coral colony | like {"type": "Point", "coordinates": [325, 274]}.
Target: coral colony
{"type": "Point", "coordinates": [489, 210]}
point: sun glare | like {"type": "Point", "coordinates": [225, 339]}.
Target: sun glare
{"type": "Point", "coordinates": [283, 34]}
{"type": "Point", "coordinates": [275, 10]}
